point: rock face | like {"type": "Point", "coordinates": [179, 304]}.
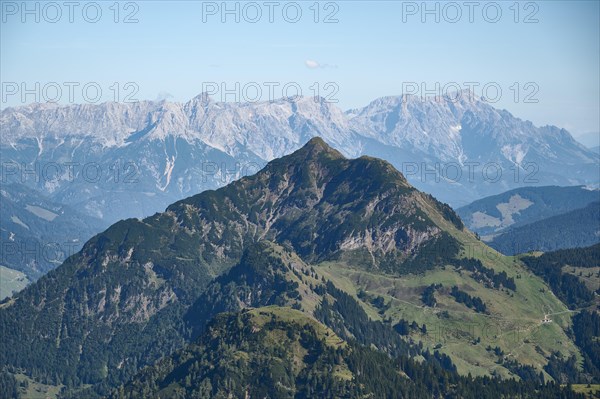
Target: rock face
{"type": "Point", "coordinates": [114, 161]}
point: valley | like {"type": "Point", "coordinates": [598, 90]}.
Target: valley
{"type": "Point", "coordinates": [11, 281]}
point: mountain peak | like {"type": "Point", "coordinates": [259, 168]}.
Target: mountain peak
{"type": "Point", "coordinates": [318, 146]}
{"type": "Point", "coordinates": [203, 97]}
{"type": "Point", "coordinates": [317, 142]}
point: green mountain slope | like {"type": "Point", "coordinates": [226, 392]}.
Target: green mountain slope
{"type": "Point", "coordinates": [272, 352]}
{"type": "Point", "coordinates": [277, 352]}
{"type": "Point", "coordinates": [314, 231]}
{"type": "Point", "coordinates": [573, 276]}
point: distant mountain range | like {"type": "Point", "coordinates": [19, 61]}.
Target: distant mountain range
{"type": "Point", "coordinates": [536, 218]}
{"type": "Point", "coordinates": [364, 259]}
{"type": "Point", "coordinates": [114, 161]}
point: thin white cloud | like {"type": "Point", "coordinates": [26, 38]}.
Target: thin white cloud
{"type": "Point", "coordinates": [312, 64]}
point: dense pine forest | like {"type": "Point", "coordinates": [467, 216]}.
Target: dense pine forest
{"type": "Point", "coordinates": [567, 287]}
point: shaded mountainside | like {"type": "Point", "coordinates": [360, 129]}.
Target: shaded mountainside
{"type": "Point", "coordinates": [524, 205]}
{"type": "Point", "coordinates": [37, 234]}
{"type": "Point", "coordinates": [578, 228]}
{"type": "Point", "coordinates": [587, 257]}
{"type": "Point", "coordinates": [348, 242]}
{"type": "Point", "coordinates": [266, 275]}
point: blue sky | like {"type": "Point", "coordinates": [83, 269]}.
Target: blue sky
{"type": "Point", "coordinates": [177, 49]}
